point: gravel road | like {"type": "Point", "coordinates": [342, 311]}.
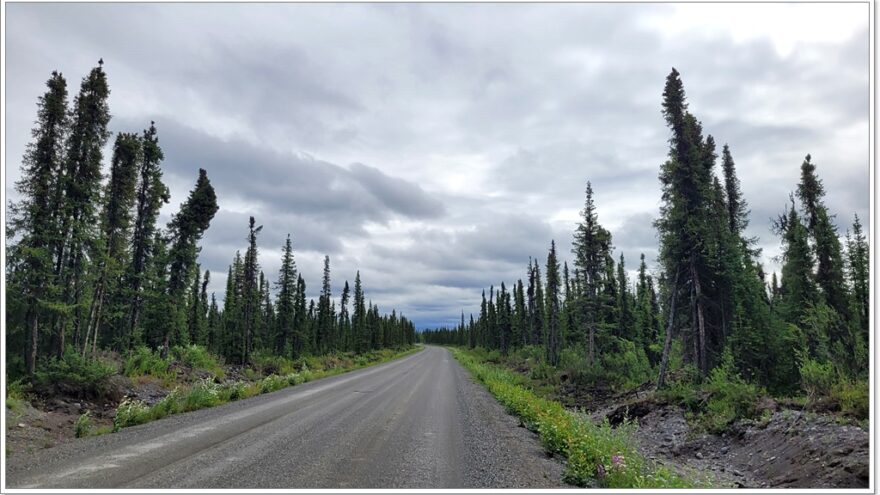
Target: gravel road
{"type": "Point", "coordinates": [418, 422]}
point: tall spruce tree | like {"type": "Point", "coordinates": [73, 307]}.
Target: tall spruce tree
{"type": "Point", "coordinates": [858, 270]}
{"type": "Point", "coordinates": [325, 315]}
{"type": "Point", "coordinates": [554, 343]}
{"type": "Point", "coordinates": [32, 220]}
{"type": "Point", "coordinates": [80, 189]}
{"type": "Point", "coordinates": [826, 241]}
{"type": "Point", "coordinates": [686, 215]}
{"type": "Point", "coordinates": [185, 230]}
{"type": "Point", "coordinates": [152, 193]}
{"type": "Point", "coordinates": [111, 250]}
{"type": "Point", "coordinates": [285, 303]}
{"type": "Point", "coordinates": [590, 247]}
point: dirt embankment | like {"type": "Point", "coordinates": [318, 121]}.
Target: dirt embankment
{"type": "Point", "coordinates": [48, 417]}
{"type": "Point", "coordinates": [786, 448]}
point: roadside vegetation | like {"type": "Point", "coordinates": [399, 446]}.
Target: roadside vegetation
{"type": "Point", "coordinates": [596, 454]}
{"type": "Point", "coordinates": [190, 378]}
{"type": "Point", "coordinates": [208, 392]}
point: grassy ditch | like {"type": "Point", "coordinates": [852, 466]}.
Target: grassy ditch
{"type": "Point", "coordinates": [207, 392]}
{"type": "Point", "coordinates": [596, 454]}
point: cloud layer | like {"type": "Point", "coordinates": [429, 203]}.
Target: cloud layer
{"type": "Point", "coordinates": [436, 147]}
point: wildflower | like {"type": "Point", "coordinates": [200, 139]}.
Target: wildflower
{"type": "Point", "coordinates": [600, 471]}
{"type": "Point", "coordinates": [618, 462]}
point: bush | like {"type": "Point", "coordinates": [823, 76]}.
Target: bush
{"type": "Point", "coordinates": [730, 397]}
{"type": "Point", "coordinates": [15, 398]}
{"type": "Point", "coordinates": [268, 364]}
{"type": "Point", "coordinates": [130, 413]}
{"type": "Point", "coordinates": [205, 393]}
{"type": "Point", "coordinates": [817, 379]}
{"type": "Point", "coordinates": [83, 425]}
{"type": "Point", "coordinates": [170, 404]}
{"type": "Point", "coordinates": [143, 361]}
{"type": "Point", "coordinates": [76, 375]}
{"type": "Point", "coordinates": [231, 391]}
{"type": "Point", "coordinates": [683, 393]}
{"type": "Point", "coordinates": [272, 383]}
{"type": "Point", "coordinates": [197, 357]}
{"type": "Point", "coordinates": [853, 397]}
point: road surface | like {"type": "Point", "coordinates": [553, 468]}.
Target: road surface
{"type": "Point", "coordinates": [418, 422]}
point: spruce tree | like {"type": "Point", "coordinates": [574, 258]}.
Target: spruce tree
{"type": "Point", "coordinates": [798, 288]}
{"type": "Point", "coordinates": [185, 230]}
{"type": "Point", "coordinates": [152, 193]}
{"type": "Point", "coordinates": [325, 315]}
{"type": "Point", "coordinates": [115, 227]}
{"type": "Point", "coordinates": [301, 337]}
{"type": "Point", "coordinates": [590, 248]}
{"type": "Point", "coordinates": [858, 270]}
{"type": "Point", "coordinates": [625, 323]}
{"type": "Point", "coordinates": [504, 321]}
{"type": "Point", "coordinates": [201, 326]}
{"type": "Point", "coordinates": [520, 321]}
{"type": "Point", "coordinates": [554, 344]}
{"type": "Point", "coordinates": [80, 189]}
{"type": "Point", "coordinates": [344, 319]}
{"type": "Point", "coordinates": [33, 219]}
{"type": "Point", "coordinates": [685, 215]}
{"type": "Point", "coordinates": [826, 242]}
{"type": "Point", "coordinates": [359, 316]}
{"type": "Point", "coordinates": [286, 301]}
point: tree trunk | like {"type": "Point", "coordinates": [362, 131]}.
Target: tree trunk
{"type": "Point", "coordinates": [667, 342]}
{"type": "Point", "coordinates": [134, 319]}
{"type": "Point", "coordinates": [701, 321]}
{"type": "Point", "coordinates": [592, 333]}
{"type": "Point", "coordinates": [33, 320]}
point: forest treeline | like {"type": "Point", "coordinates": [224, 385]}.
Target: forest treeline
{"type": "Point", "coordinates": [709, 303]}
{"type": "Point", "coordinates": [89, 268]}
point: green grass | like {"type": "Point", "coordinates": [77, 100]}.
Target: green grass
{"type": "Point", "coordinates": [207, 393]}
{"type": "Point", "coordinates": [596, 454]}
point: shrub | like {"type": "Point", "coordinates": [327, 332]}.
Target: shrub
{"type": "Point", "coordinates": [853, 396]}
{"type": "Point", "coordinates": [232, 391]}
{"type": "Point", "coordinates": [269, 364]}
{"type": "Point", "coordinates": [817, 378]}
{"type": "Point", "coordinates": [205, 393]}
{"type": "Point", "coordinates": [15, 398]}
{"type": "Point", "coordinates": [76, 375]}
{"type": "Point", "coordinates": [272, 383]}
{"type": "Point", "coordinates": [197, 357]}
{"type": "Point", "coordinates": [730, 397]}
{"type": "Point", "coordinates": [143, 361]}
{"type": "Point", "coordinates": [170, 404]}
{"type": "Point", "coordinates": [130, 413]}
{"type": "Point", "coordinates": [83, 425]}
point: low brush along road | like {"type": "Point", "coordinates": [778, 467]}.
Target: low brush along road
{"type": "Point", "coordinates": [417, 422]}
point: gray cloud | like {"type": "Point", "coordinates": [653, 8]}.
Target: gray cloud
{"type": "Point", "coordinates": [435, 147]}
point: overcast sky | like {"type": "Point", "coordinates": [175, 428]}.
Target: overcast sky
{"type": "Point", "coordinates": [436, 147]}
